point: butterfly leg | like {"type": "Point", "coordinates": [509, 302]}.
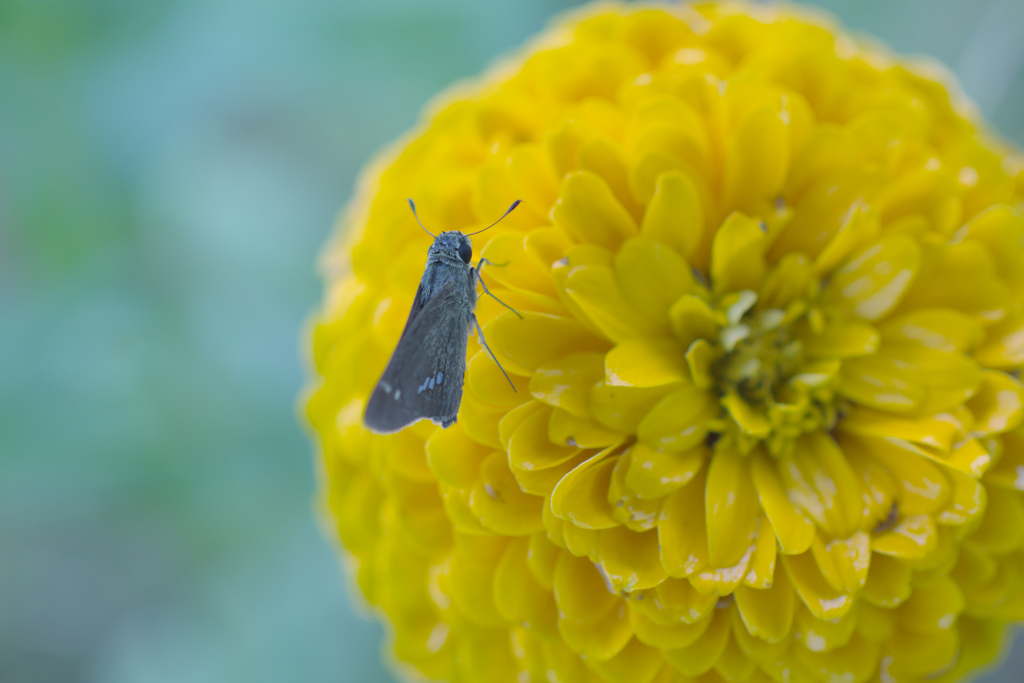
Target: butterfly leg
{"type": "Point", "coordinates": [480, 264]}
{"type": "Point", "coordinates": [480, 336]}
{"type": "Point", "coordinates": [488, 292]}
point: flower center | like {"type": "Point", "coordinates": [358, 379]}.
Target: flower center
{"type": "Point", "coordinates": [771, 392]}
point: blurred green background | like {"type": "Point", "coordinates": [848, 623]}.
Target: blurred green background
{"type": "Point", "coordinates": [168, 170]}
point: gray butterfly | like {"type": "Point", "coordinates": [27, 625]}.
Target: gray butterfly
{"type": "Point", "coordinates": [423, 379]}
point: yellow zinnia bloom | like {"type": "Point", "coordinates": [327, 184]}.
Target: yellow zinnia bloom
{"type": "Point", "coordinates": [767, 418]}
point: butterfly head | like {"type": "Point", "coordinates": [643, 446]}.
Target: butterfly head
{"type": "Point", "coordinates": [453, 244]}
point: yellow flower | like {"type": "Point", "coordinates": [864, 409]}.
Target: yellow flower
{"type": "Point", "coordinates": [767, 424]}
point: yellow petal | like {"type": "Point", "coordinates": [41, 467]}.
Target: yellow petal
{"type": "Point", "coordinates": [888, 583]}
{"type": "Point", "coordinates": [561, 662]}
{"type": "Point", "coordinates": [531, 449]}
{"type": "Point", "coordinates": [820, 481]}
{"type": "Point", "coordinates": [675, 215]}
{"type": "Point", "coordinates": [645, 362]}
{"type": "Point", "coordinates": [691, 318]}
{"type": "Point", "coordinates": [824, 152]}
{"type": "Point", "coordinates": [566, 428]}
{"type": "Point", "coordinates": [844, 562]}
{"type": "Point", "coordinates": [673, 113]}
{"type": "Point", "coordinates": [490, 385]}
{"type": "Point", "coordinates": [512, 266]}
{"type": "Point", "coordinates": [730, 508]}
{"type": "Point", "coordinates": [999, 404]}
{"type": "Point", "coordinates": [499, 503]}
{"type": "Point", "coordinates": [581, 542]}
{"type": "Point", "coordinates": [719, 580]}
{"type": "Point", "coordinates": [817, 635]}
{"type": "Point", "coordinates": [737, 255]}
{"type": "Point", "coordinates": [541, 558]}
{"type": "Point", "coordinates": [674, 601]}
{"type": "Point", "coordinates": [883, 381]}
{"type": "Point", "coordinates": [533, 177]}
{"type": "Point", "coordinates": [588, 212]}
{"type": "Point", "coordinates": [523, 345]}
{"type": "Point", "coordinates": [922, 655]}
{"type": "Point", "coordinates": [933, 606]}
{"type": "Point", "coordinates": [913, 538]}
{"type": "Point", "coordinates": [757, 161]}
{"type": "Point", "coordinates": [1009, 470]}
{"type": "Point", "coordinates": [1002, 528]}
{"type": "Point", "coordinates": [602, 639]}
{"type": "Point", "coordinates": [879, 489]}
{"type": "Point", "coordinates": [824, 601]}
{"type": "Point", "coordinates": [668, 636]}
{"type": "Point", "coordinates": [643, 180]}
{"type": "Point", "coordinates": [734, 665]}
{"type": "Point", "coordinates": [580, 591]}
{"type": "Point", "coordinates": [517, 595]}
{"type": "Point", "coordinates": [653, 474]}
{"type": "Point", "coordinates": [700, 356]}
{"type": "Point", "coordinates": [604, 158]}
{"type": "Point", "coordinates": [581, 497]}
{"type": "Point", "coordinates": [761, 570]}
{"type": "Point", "coordinates": [637, 514]}
{"type": "Point", "coordinates": [682, 530]}
{"type": "Point", "coordinates": [823, 209]}
{"type": "Point", "coordinates": [543, 482]}
{"type": "Point", "coordinates": [679, 421]}
{"type": "Point", "coordinates": [1001, 229]}
{"type": "Point", "coordinates": [846, 339]}
{"type": "Point", "coordinates": [652, 275]}
{"type": "Point", "coordinates": [942, 329]}
{"type": "Point", "coordinates": [566, 382]}
{"type": "Point", "coordinates": [631, 560]}
{"type": "Point", "coordinates": [756, 649]}
{"type": "Point", "coordinates": [874, 281]}
{"type": "Point", "coordinates": [594, 289]}
{"type": "Point", "coordinates": [511, 421]}
{"type": "Point", "coordinates": [795, 532]}
{"type": "Point", "coordinates": [923, 488]}
{"type": "Point", "coordinates": [454, 458]}
{"type": "Point", "coordinates": [855, 662]}
{"type": "Point", "coordinates": [703, 654]}
{"type": "Point", "coordinates": [621, 409]}
{"type": "Point", "coordinates": [951, 378]}
{"type": "Point", "coordinates": [934, 431]}
{"type": "Point", "coordinates": [635, 663]}
{"type": "Point", "coordinates": [962, 277]}
{"type": "Point", "coordinates": [456, 508]}
{"type": "Point", "coordinates": [1003, 346]}
{"type": "Point", "coordinates": [786, 282]}
{"type": "Point", "coordinates": [470, 581]}
{"type": "Point", "coordinates": [966, 502]}
{"type": "Point", "coordinates": [481, 419]}
{"type": "Point", "coordinates": [768, 613]}
{"type": "Point", "coordinates": [860, 227]}
{"type": "Point", "coordinates": [749, 421]}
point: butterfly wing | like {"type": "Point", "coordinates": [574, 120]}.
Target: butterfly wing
{"type": "Point", "coordinates": [423, 379]}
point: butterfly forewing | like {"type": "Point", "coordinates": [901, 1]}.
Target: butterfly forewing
{"type": "Point", "coordinates": [423, 379]}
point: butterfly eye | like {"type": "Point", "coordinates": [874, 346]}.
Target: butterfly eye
{"type": "Point", "coordinates": [465, 252]}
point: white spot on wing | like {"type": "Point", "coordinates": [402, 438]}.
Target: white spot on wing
{"type": "Point", "coordinates": [440, 376]}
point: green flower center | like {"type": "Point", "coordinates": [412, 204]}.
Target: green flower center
{"type": "Point", "coordinates": [770, 390]}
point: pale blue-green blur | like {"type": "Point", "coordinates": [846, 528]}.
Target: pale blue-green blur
{"type": "Point", "coordinates": [168, 169]}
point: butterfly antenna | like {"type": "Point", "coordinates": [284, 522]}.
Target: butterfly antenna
{"type": "Point", "coordinates": [414, 215]}
{"type": "Point", "coordinates": [514, 205]}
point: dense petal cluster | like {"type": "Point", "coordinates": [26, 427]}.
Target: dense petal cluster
{"type": "Point", "coordinates": [767, 418]}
